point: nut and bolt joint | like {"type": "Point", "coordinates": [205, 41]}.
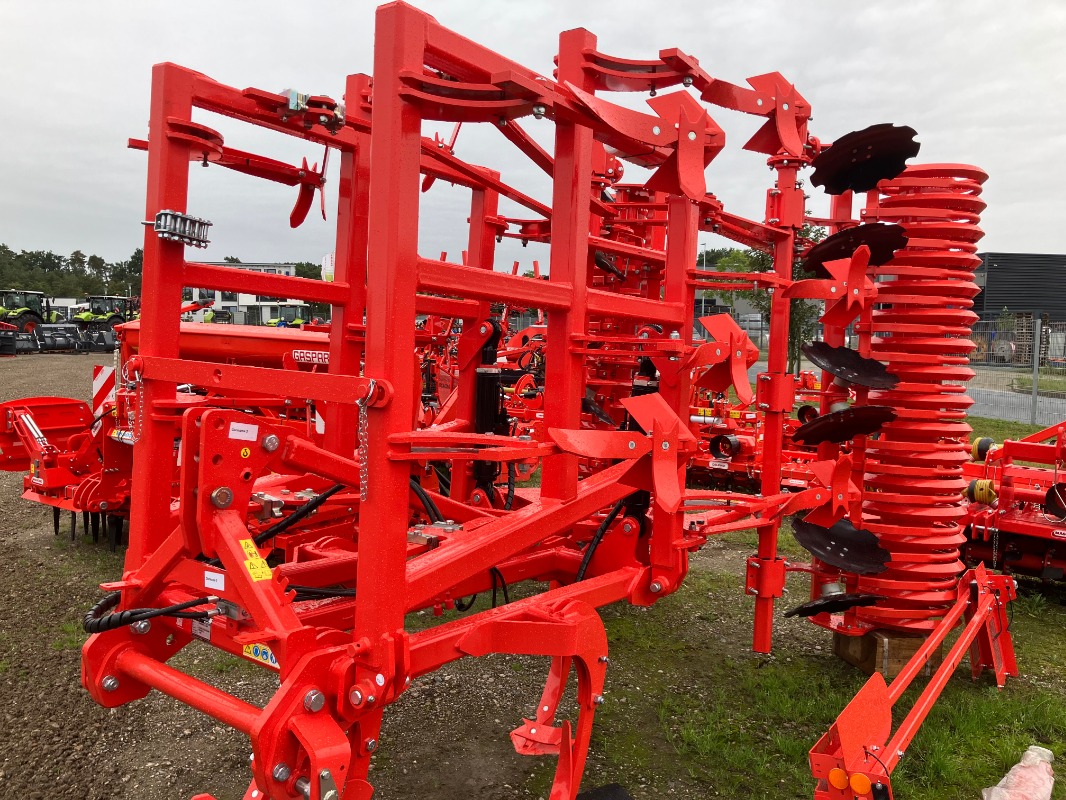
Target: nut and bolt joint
{"type": "Point", "coordinates": [598, 700]}
{"type": "Point", "coordinates": [314, 700]}
{"type": "Point", "coordinates": [141, 626]}
{"type": "Point", "coordinates": [222, 497]}
{"type": "Point", "coordinates": [356, 697]}
{"type": "Point", "coordinates": [656, 587]}
{"type": "Point", "coordinates": [281, 772]}
{"type": "Point", "coordinates": [271, 443]}
{"type": "Point", "coordinates": [371, 745]}
{"type": "Point", "coordinates": [109, 683]}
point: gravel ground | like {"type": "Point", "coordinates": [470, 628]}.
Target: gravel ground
{"type": "Point", "coordinates": [447, 738]}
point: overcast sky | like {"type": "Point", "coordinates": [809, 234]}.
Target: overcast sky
{"type": "Point", "coordinates": [981, 81]}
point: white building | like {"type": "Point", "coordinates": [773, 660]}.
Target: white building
{"type": "Point", "coordinates": [246, 309]}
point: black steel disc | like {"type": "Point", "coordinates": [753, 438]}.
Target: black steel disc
{"type": "Point", "coordinates": [843, 362]}
{"type": "Point", "coordinates": [859, 160]}
{"type": "Point", "coordinates": [806, 413]}
{"type": "Point", "coordinates": [832, 604]}
{"type": "Point", "coordinates": [1055, 500]}
{"type": "Point", "coordinates": [843, 425]}
{"type": "Point", "coordinates": [843, 546]}
{"type": "Point", "coordinates": [883, 239]}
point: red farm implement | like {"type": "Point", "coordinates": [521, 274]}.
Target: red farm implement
{"type": "Point", "coordinates": [299, 492]}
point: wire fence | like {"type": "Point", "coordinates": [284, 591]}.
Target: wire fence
{"type": "Point", "coordinates": [1020, 366]}
{"type": "Point", "coordinates": [1013, 379]}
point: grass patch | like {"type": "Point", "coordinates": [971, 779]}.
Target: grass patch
{"type": "Point", "coordinates": [1000, 429]}
{"type": "Point", "coordinates": [71, 637]}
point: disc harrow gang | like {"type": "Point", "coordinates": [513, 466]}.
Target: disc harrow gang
{"type": "Point", "coordinates": [299, 491]}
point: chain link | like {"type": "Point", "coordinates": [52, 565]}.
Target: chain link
{"type": "Point", "coordinates": [364, 440]}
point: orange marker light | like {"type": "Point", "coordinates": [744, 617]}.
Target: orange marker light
{"type": "Point", "coordinates": [838, 778]}
{"type": "Point", "coordinates": [860, 784]}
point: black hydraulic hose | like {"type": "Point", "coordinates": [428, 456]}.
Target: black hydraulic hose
{"type": "Point", "coordinates": [299, 514]}
{"type": "Point", "coordinates": [461, 606]}
{"type": "Point", "coordinates": [443, 480]}
{"type": "Point", "coordinates": [427, 502]}
{"type": "Point", "coordinates": [98, 621]}
{"type": "Point", "coordinates": [498, 576]}
{"type": "Point", "coordinates": [598, 537]}
{"type": "Point", "coordinates": [511, 471]}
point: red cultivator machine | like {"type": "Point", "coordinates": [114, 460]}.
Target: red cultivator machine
{"type": "Point", "coordinates": [299, 492]}
{"type": "Point", "coordinates": [1016, 514]}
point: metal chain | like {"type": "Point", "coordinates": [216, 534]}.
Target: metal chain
{"type": "Point", "coordinates": [364, 440]}
{"type": "Point", "coordinates": [995, 546]}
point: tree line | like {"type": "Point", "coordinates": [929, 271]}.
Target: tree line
{"type": "Point", "coordinates": [78, 275]}
{"type": "Point", "coordinates": [75, 275]}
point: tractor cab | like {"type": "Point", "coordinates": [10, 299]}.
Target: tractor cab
{"type": "Point", "coordinates": [105, 310]}
{"type": "Point", "coordinates": [22, 308]}
{"type": "Point", "coordinates": [290, 315]}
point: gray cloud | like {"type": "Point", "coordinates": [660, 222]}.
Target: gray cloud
{"type": "Point", "coordinates": [976, 79]}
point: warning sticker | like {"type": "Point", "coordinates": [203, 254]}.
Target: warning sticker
{"type": "Point", "coordinates": [249, 548]}
{"type": "Point", "coordinates": [246, 452]}
{"type": "Point", "coordinates": [201, 629]}
{"type": "Point", "coordinates": [243, 431]}
{"type": "Point", "coordinates": [262, 654]}
{"type": "Point", "coordinates": [258, 569]}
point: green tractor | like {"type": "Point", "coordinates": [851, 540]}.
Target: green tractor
{"type": "Point", "coordinates": [290, 315]}
{"type": "Point", "coordinates": [100, 312]}
{"type": "Point", "coordinates": [25, 310]}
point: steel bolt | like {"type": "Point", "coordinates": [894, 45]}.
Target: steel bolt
{"type": "Point", "coordinates": [502, 122]}
{"type": "Point", "coordinates": [632, 445]}
{"type": "Point", "coordinates": [379, 679]}
{"type": "Point", "coordinates": [656, 587]}
{"type": "Point", "coordinates": [686, 81]}
{"type": "Point", "coordinates": [604, 660]}
{"type": "Point", "coordinates": [109, 683]}
{"type": "Point", "coordinates": [371, 745]}
{"type": "Point", "coordinates": [141, 626]}
{"type": "Point", "coordinates": [222, 497]}
{"type": "Point", "coordinates": [271, 443]}
{"type": "Point", "coordinates": [314, 700]}
{"type": "Point", "coordinates": [370, 699]}
{"type": "Point", "coordinates": [281, 772]}
{"type": "Point", "coordinates": [598, 700]}
{"type": "Point", "coordinates": [539, 111]}
{"type": "Point", "coordinates": [356, 697]}
{"type": "Point", "coordinates": [666, 445]}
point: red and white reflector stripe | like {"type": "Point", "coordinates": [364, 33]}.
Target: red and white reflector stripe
{"type": "Point", "coordinates": [103, 387]}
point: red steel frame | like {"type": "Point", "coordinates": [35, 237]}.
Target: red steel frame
{"type": "Point", "coordinates": [343, 661]}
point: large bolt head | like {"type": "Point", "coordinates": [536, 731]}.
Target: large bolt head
{"type": "Point", "coordinates": [314, 700]}
{"type": "Point", "coordinates": [271, 443]}
{"type": "Point", "coordinates": [371, 745]}
{"type": "Point", "coordinates": [141, 626]}
{"type": "Point", "coordinates": [222, 497]}
{"type": "Point", "coordinates": [281, 772]}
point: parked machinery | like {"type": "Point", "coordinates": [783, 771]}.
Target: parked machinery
{"type": "Point", "coordinates": [1016, 504]}
{"type": "Point", "coordinates": [295, 511]}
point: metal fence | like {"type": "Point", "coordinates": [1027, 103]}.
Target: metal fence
{"type": "Point", "coordinates": [1020, 366]}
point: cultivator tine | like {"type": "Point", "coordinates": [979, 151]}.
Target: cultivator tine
{"type": "Point", "coordinates": [859, 160]}
{"type": "Point", "coordinates": [832, 604]}
{"type": "Point", "coordinates": [56, 514]}
{"type": "Point", "coordinates": [840, 426]}
{"type": "Point", "coordinates": [113, 523]}
{"type": "Point", "coordinates": [84, 523]}
{"type": "Point", "coordinates": [94, 520]}
{"type": "Point", "coordinates": [842, 546]}
{"type": "Point", "coordinates": [73, 525]}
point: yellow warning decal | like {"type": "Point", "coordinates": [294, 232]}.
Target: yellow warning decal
{"type": "Point", "coordinates": [262, 654]}
{"type": "Point", "coordinates": [256, 566]}
{"type": "Point", "coordinates": [245, 452]}
{"type": "Point", "coordinates": [258, 569]}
